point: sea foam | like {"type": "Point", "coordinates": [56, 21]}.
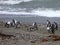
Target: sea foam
{"type": "Point", "coordinates": [12, 1]}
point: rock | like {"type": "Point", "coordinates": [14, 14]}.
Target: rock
{"type": "Point", "coordinates": [33, 41]}
{"type": "Point", "coordinates": [54, 37]}
{"type": "Point", "coordinates": [44, 40]}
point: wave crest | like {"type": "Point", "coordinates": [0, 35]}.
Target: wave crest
{"type": "Point", "coordinates": [46, 12]}
{"type": "Point", "coordinates": [12, 1]}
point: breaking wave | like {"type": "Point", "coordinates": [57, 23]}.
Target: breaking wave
{"type": "Point", "coordinates": [46, 12]}
{"type": "Point", "coordinates": [12, 1]}
{"type": "Point", "coordinates": [31, 7]}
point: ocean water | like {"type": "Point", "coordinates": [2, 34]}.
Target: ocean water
{"type": "Point", "coordinates": [48, 8]}
{"type": "Point", "coordinates": [10, 9]}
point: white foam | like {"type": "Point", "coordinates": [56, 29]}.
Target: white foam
{"type": "Point", "coordinates": [17, 13]}
{"type": "Point", "coordinates": [12, 1]}
{"type": "Point", "coordinates": [40, 12]}
{"type": "Point", "coordinates": [9, 2]}
{"type": "Point", "coordinates": [47, 12]}
{"type": "Point", "coordinates": [26, 0]}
